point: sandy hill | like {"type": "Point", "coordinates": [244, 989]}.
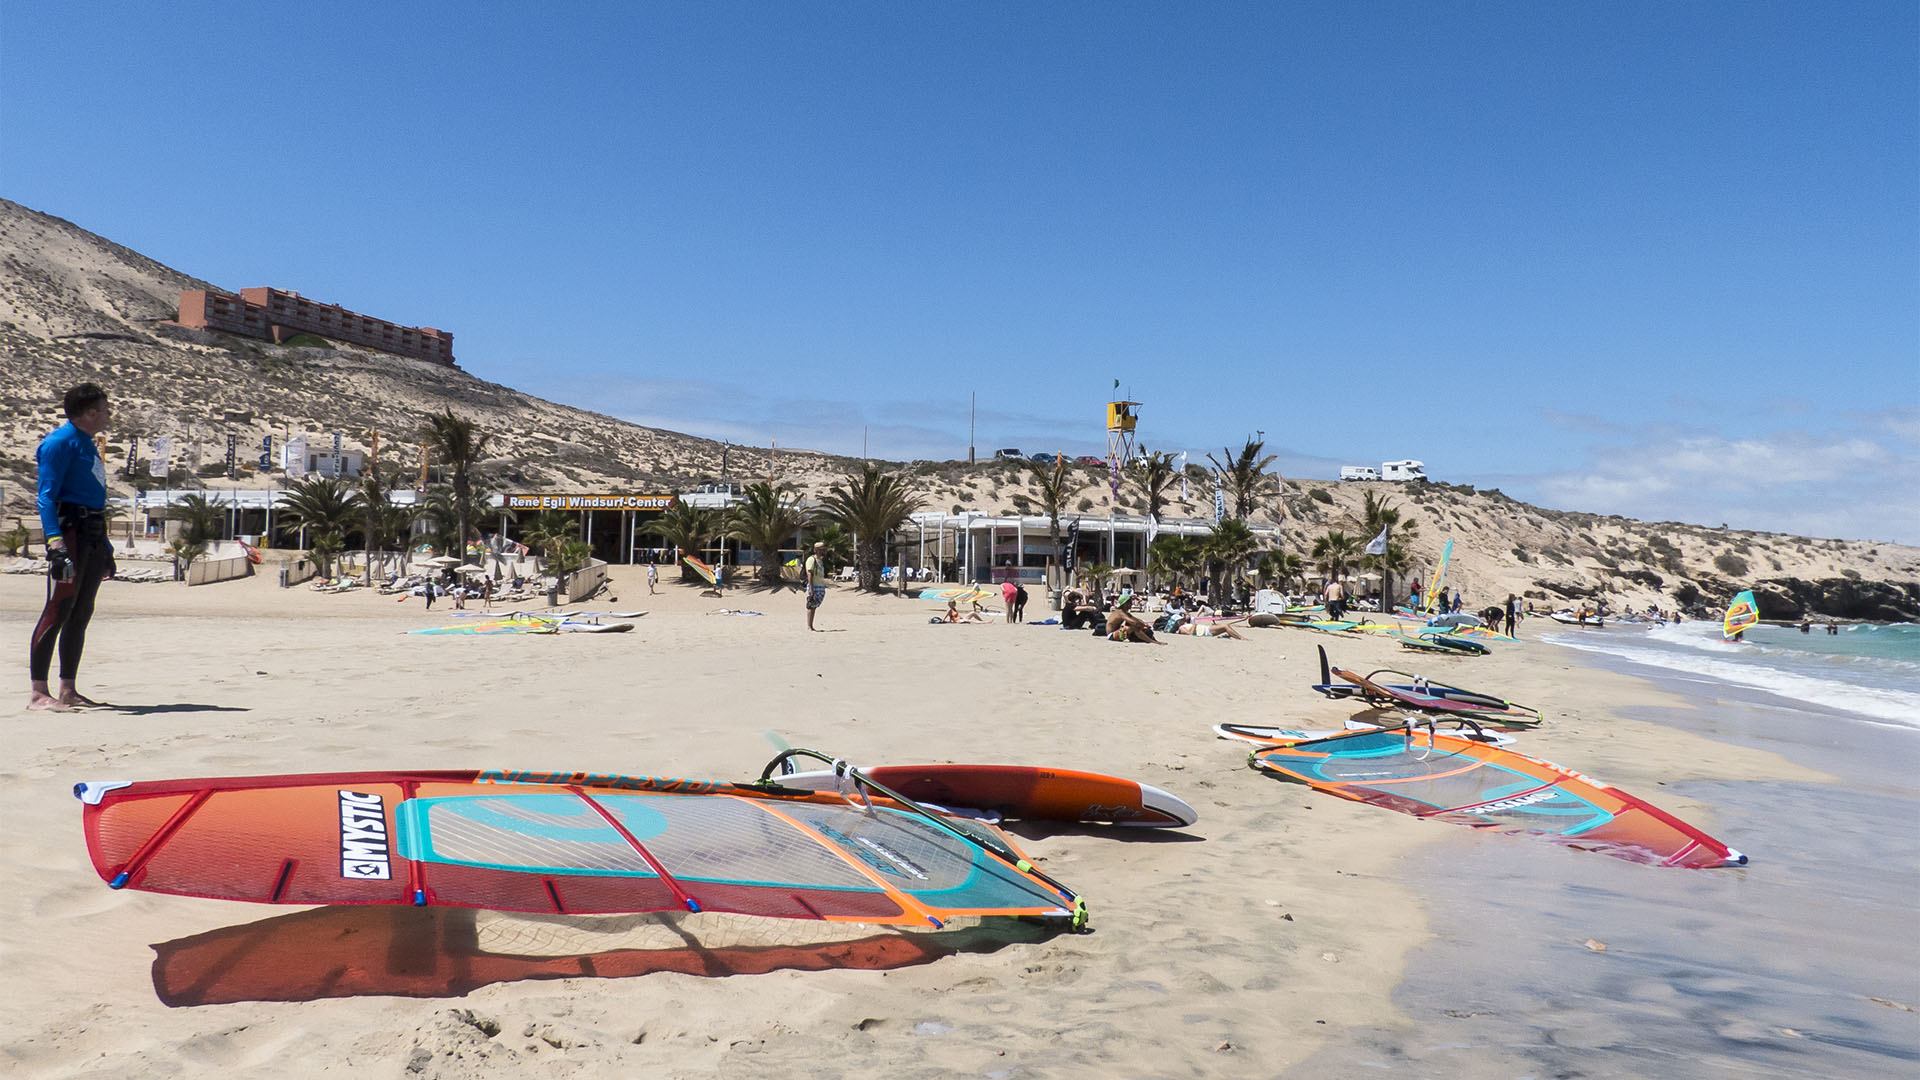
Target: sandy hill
{"type": "Point", "coordinates": [75, 306]}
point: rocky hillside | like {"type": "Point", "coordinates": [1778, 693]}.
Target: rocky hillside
{"type": "Point", "coordinates": [75, 306]}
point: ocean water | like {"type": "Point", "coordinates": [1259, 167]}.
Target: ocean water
{"type": "Point", "coordinates": [1870, 671]}
{"type": "Point", "coordinates": [1547, 962]}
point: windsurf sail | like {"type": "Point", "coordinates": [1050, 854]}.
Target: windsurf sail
{"type": "Point", "coordinates": [1742, 614]}
{"type": "Point", "coordinates": [707, 573]}
{"type": "Point", "coordinates": [513, 624]}
{"type": "Point", "coordinates": [1270, 736]}
{"type": "Point", "coordinates": [1423, 694]}
{"type": "Point", "coordinates": [959, 595]}
{"type": "Point", "coordinates": [1432, 597]}
{"type": "Point", "coordinates": [527, 623]}
{"type": "Point", "coordinates": [1449, 778]}
{"type": "Point", "coordinates": [559, 843]}
{"type": "Point", "coordinates": [1441, 643]}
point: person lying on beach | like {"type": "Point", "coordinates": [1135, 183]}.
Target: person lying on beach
{"type": "Point", "coordinates": [1209, 629]}
{"type": "Point", "coordinates": [1124, 625]}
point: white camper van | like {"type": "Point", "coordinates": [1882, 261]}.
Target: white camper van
{"type": "Point", "coordinates": [1359, 472]}
{"type": "Point", "coordinates": [1403, 470]}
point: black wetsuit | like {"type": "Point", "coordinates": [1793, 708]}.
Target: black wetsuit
{"type": "Point", "coordinates": [83, 530]}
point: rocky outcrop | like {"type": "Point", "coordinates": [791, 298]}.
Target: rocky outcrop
{"type": "Point", "coordinates": [1840, 598]}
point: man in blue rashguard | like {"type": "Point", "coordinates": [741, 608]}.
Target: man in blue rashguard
{"type": "Point", "coordinates": [73, 501]}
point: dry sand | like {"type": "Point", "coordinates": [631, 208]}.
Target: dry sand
{"type": "Point", "coordinates": [1230, 949]}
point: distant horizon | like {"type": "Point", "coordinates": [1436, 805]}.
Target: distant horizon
{"type": "Point", "coordinates": [1637, 259]}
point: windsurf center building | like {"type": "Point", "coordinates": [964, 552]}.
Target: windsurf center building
{"type": "Point", "coordinates": [979, 547]}
{"type": "Point", "coordinates": [274, 315]}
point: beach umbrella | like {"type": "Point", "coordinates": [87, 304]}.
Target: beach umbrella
{"type": "Point", "coordinates": [443, 560]}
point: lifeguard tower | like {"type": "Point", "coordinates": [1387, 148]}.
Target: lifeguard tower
{"type": "Point", "coordinates": [1121, 418]}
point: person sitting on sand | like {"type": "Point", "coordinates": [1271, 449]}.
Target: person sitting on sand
{"type": "Point", "coordinates": [1124, 625]}
{"type": "Point", "coordinates": [954, 616]}
{"type": "Point", "coordinates": [1076, 613]}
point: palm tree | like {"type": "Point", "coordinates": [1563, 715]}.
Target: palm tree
{"type": "Point", "coordinates": [1057, 484]}
{"type": "Point", "coordinates": [766, 519]}
{"type": "Point", "coordinates": [183, 551]}
{"type": "Point", "coordinates": [324, 546]}
{"type": "Point", "coordinates": [869, 504]}
{"type": "Point", "coordinates": [1153, 470]}
{"type": "Point", "coordinates": [1279, 566]}
{"type": "Point", "coordinates": [548, 532]}
{"type": "Point", "coordinates": [394, 525]}
{"type": "Point", "coordinates": [318, 504]}
{"type": "Point", "coordinates": [200, 519]}
{"type": "Point", "coordinates": [1227, 548]}
{"type": "Point", "coordinates": [461, 446]}
{"type": "Point", "coordinates": [688, 528]}
{"type": "Point", "coordinates": [840, 546]}
{"type": "Point", "coordinates": [1174, 556]}
{"type": "Point", "coordinates": [1335, 550]}
{"type": "Point", "coordinates": [1377, 516]}
{"type": "Point", "coordinates": [371, 499]}
{"type": "Point", "coordinates": [1244, 476]}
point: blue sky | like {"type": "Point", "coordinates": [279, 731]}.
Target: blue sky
{"type": "Point", "coordinates": [1653, 259]}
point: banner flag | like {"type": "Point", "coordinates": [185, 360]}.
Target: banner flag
{"type": "Point", "coordinates": [1378, 545]}
{"type": "Point", "coordinates": [133, 454]}
{"type": "Point", "coordinates": [162, 450]}
{"type": "Point", "coordinates": [266, 453]}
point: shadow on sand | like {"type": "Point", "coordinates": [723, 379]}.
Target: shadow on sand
{"type": "Point", "coordinates": [333, 952]}
{"type": "Point", "coordinates": [173, 707]}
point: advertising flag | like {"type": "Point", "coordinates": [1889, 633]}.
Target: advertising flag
{"type": "Point", "coordinates": [266, 453]}
{"type": "Point", "coordinates": [295, 455]}
{"type": "Point", "coordinates": [133, 454]}
{"type": "Point", "coordinates": [233, 441]}
{"type": "Point", "coordinates": [1378, 545]}
{"type": "Point", "coordinates": [336, 455]}
{"type": "Point", "coordinates": [162, 451]}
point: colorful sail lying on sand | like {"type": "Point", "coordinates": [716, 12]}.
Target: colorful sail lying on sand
{"type": "Point", "coordinates": [524, 623]}
{"type": "Point", "coordinates": [1423, 694]}
{"type": "Point", "coordinates": [707, 573]}
{"type": "Point", "coordinates": [1450, 778]}
{"type": "Point", "coordinates": [560, 843]}
{"type": "Point", "coordinates": [960, 594]}
{"type": "Point", "coordinates": [1742, 614]}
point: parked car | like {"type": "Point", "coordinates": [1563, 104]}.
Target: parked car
{"type": "Point", "coordinates": [1011, 453]}
{"type": "Point", "coordinates": [1089, 459]}
{"type": "Point", "coordinates": [1045, 457]}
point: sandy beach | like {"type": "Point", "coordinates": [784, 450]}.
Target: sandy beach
{"type": "Point", "coordinates": [1270, 932]}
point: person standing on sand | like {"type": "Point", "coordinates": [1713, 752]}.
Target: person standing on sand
{"type": "Point", "coordinates": [1008, 591]}
{"type": "Point", "coordinates": [72, 504]}
{"type": "Point", "coordinates": [1513, 613]}
{"type": "Point", "coordinates": [1336, 598]}
{"type": "Point", "coordinates": [653, 578]}
{"type": "Point", "coordinates": [816, 580]}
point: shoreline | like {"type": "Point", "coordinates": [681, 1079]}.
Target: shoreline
{"type": "Point", "coordinates": [1236, 948]}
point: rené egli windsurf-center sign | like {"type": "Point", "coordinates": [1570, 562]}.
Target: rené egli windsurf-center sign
{"type": "Point", "coordinates": [590, 502]}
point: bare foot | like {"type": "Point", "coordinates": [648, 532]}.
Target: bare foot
{"type": "Point", "coordinates": [39, 702]}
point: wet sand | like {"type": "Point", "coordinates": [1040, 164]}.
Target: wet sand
{"type": "Point", "coordinates": [1803, 964]}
